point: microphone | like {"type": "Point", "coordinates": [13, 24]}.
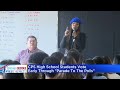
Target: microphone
{"type": "Point", "coordinates": [74, 30]}
{"type": "Point", "coordinates": [67, 28]}
{"type": "Point", "coordinates": [73, 39]}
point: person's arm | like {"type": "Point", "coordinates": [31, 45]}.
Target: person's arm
{"type": "Point", "coordinates": [63, 42]}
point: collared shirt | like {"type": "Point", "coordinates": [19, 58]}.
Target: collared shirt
{"type": "Point", "coordinates": [24, 55]}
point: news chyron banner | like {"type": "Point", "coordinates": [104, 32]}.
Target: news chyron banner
{"type": "Point", "coordinates": [105, 68]}
{"type": "Point", "coordinates": [34, 68]}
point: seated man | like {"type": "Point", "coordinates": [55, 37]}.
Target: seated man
{"type": "Point", "coordinates": [24, 55]}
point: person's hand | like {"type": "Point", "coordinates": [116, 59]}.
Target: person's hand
{"type": "Point", "coordinates": [67, 32]}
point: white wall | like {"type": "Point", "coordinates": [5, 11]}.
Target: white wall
{"type": "Point", "coordinates": [16, 26]}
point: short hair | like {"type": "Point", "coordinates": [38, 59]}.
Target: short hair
{"type": "Point", "coordinates": [89, 61]}
{"type": "Point", "coordinates": [31, 37]}
{"type": "Point", "coordinates": [37, 58]}
{"type": "Point", "coordinates": [8, 61]}
{"type": "Point", "coordinates": [98, 60]}
{"type": "Point", "coordinates": [57, 55]}
{"type": "Point", "coordinates": [51, 60]}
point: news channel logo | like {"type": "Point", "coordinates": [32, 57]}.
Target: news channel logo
{"type": "Point", "coordinates": [2, 68]}
{"type": "Point", "coordinates": [16, 69]}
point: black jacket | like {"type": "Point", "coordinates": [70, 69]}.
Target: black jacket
{"type": "Point", "coordinates": [79, 43]}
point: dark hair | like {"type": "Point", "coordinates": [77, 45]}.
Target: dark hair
{"type": "Point", "coordinates": [37, 58]}
{"type": "Point", "coordinates": [116, 59]}
{"type": "Point", "coordinates": [31, 37]}
{"type": "Point", "coordinates": [89, 75]}
{"type": "Point", "coordinates": [13, 76]}
{"type": "Point", "coordinates": [98, 60]}
{"type": "Point", "coordinates": [107, 60]}
{"type": "Point", "coordinates": [89, 61]}
{"type": "Point", "coordinates": [51, 60]}
{"type": "Point", "coordinates": [9, 62]}
{"type": "Point", "coordinates": [57, 55]}
{"type": "Point", "coordinates": [33, 76]}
